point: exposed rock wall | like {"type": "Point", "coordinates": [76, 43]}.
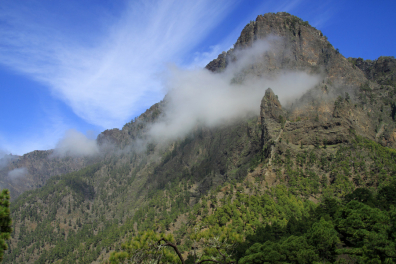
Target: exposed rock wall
{"type": "Point", "coordinates": [297, 46]}
{"type": "Point", "coordinates": [382, 70]}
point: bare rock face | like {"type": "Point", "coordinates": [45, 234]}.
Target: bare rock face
{"type": "Point", "coordinates": [382, 70]}
{"type": "Point", "coordinates": [132, 130]}
{"type": "Point", "coordinates": [218, 64]}
{"type": "Point", "coordinates": [364, 89]}
{"type": "Point", "coordinates": [273, 119]}
{"type": "Point", "coordinates": [271, 107]}
{"type": "Point", "coordinates": [295, 46]}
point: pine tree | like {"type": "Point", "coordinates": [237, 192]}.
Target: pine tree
{"type": "Point", "coordinates": [5, 221]}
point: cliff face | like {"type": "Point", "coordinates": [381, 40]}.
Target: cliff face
{"type": "Point", "coordinates": [136, 129]}
{"type": "Point", "coordinates": [382, 70]}
{"type": "Point", "coordinates": [296, 46]}
{"type": "Point", "coordinates": [353, 95]}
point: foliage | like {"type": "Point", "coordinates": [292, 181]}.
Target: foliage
{"type": "Point", "coordinates": [82, 216]}
{"type": "Point", "coordinates": [352, 228]}
{"type": "Point", "coordinates": [5, 221]}
{"type": "Point", "coordinates": [147, 247]}
{"type": "Point", "coordinates": [151, 247]}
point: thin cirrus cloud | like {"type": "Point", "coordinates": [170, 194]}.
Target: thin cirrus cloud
{"type": "Point", "coordinates": [115, 76]}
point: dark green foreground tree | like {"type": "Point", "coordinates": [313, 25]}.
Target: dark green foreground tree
{"type": "Point", "coordinates": [5, 221]}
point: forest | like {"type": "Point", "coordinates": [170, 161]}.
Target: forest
{"type": "Point", "coordinates": [311, 182]}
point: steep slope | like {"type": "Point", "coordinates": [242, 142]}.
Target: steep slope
{"type": "Point", "coordinates": [382, 70]}
{"type": "Point", "coordinates": [266, 167]}
{"type": "Point", "coordinates": [33, 169]}
{"type": "Point", "coordinates": [298, 46]}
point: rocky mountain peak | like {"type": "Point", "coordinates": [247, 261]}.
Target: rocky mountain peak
{"type": "Point", "coordinates": [295, 45]}
{"type": "Point", "coordinates": [270, 96]}
{"type": "Point", "coordinates": [270, 106]}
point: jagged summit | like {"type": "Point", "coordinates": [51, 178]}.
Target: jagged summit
{"type": "Point", "coordinates": [297, 46]}
{"type": "Point", "coordinates": [270, 106]}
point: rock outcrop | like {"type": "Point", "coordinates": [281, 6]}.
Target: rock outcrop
{"type": "Point", "coordinates": [271, 107]}
{"type": "Point", "coordinates": [361, 87]}
{"type": "Point", "coordinates": [382, 70]}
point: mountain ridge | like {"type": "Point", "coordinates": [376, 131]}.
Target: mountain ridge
{"type": "Point", "coordinates": [164, 187]}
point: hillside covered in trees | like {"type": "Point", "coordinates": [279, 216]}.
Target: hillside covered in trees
{"type": "Point", "coordinates": [305, 180]}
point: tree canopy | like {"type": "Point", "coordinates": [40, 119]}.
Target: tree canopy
{"type": "Point", "coordinates": [5, 221]}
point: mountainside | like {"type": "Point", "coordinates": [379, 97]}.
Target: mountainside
{"type": "Point", "coordinates": [32, 170]}
{"type": "Point", "coordinates": [382, 70]}
{"type": "Point", "coordinates": [268, 167]}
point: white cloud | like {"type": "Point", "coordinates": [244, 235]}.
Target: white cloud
{"type": "Point", "coordinates": [113, 79]}
{"type": "Point", "coordinates": [4, 158]}
{"type": "Point", "coordinates": [76, 144]}
{"type": "Point", "coordinates": [200, 97]}
{"type": "Point", "coordinates": [17, 173]}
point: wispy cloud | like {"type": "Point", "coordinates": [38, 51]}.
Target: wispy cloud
{"type": "Point", "coordinates": [76, 144]}
{"type": "Point", "coordinates": [17, 173]}
{"type": "Point", "coordinates": [322, 14]}
{"type": "Point", "coordinates": [112, 79]}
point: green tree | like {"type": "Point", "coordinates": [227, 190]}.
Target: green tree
{"type": "Point", "coordinates": [146, 248]}
{"type": "Point", "coordinates": [347, 97]}
{"type": "Point", "coordinates": [210, 246]}
{"type": "Point", "coordinates": [269, 252]}
{"type": "Point", "coordinates": [366, 233]}
{"type": "Point", "coordinates": [5, 221]}
{"type": "Point", "coordinates": [324, 238]}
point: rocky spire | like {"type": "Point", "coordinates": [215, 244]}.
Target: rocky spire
{"type": "Point", "coordinates": [270, 106]}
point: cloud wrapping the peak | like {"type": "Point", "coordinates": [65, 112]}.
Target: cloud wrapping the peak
{"type": "Point", "coordinates": [76, 144]}
{"type": "Point", "coordinates": [200, 97]}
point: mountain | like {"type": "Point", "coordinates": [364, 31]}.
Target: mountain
{"type": "Point", "coordinates": [32, 170]}
{"type": "Point", "coordinates": [265, 167]}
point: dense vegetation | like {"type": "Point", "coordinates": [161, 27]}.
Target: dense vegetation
{"type": "Point", "coordinates": [256, 224]}
{"type": "Point", "coordinates": [5, 221]}
{"type": "Point", "coordinates": [69, 220]}
{"type": "Point", "coordinates": [83, 216]}
{"type": "Point", "coordinates": [359, 228]}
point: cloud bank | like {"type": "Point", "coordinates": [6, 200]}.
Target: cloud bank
{"type": "Point", "coordinates": [3, 158]}
{"type": "Point", "coordinates": [200, 97]}
{"type": "Point", "coordinates": [76, 144]}
{"type": "Point", "coordinates": [17, 173]}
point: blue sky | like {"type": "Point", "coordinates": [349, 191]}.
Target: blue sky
{"type": "Point", "coordinates": [94, 65]}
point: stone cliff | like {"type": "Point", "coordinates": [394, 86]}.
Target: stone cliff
{"type": "Point", "coordinates": [354, 95]}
